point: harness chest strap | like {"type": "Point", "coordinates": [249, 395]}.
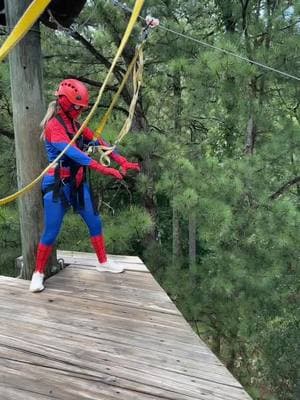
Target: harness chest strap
{"type": "Point", "coordinates": [71, 173]}
{"type": "Point", "coordinates": [76, 172]}
{"type": "Point", "coordinates": [64, 172]}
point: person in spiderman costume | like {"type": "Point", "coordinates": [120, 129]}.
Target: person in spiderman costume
{"type": "Point", "coordinates": [65, 185]}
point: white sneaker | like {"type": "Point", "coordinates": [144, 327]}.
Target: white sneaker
{"type": "Point", "coordinates": [109, 266]}
{"type": "Point", "coordinates": [36, 284]}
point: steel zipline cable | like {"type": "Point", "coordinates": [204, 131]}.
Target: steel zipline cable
{"type": "Point", "coordinates": [201, 42]}
{"type": "Point", "coordinates": [232, 54]}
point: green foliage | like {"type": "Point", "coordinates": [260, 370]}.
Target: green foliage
{"type": "Point", "coordinates": [74, 234]}
{"type": "Point", "coordinates": [10, 247]}
{"type": "Point", "coordinates": [125, 231]}
{"type": "Point", "coordinates": [280, 341]}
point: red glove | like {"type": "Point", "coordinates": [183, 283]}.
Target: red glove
{"type": "Point", "coordinates": [124, 164]}
{"type": "Point", "coordinates": [129, 165]}
{"type": "Point", "coordinates": [105, 170]}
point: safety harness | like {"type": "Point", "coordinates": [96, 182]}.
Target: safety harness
{"type": "Point", "coordinates": [77, 190]}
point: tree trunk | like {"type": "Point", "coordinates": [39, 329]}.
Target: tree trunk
{"type": "Point", "coordinates": [232, 357]}
{"type": "Point", "coordinates": [177, 90]}
{"type": "Point", "coordinates": [139, 121]}
{"type": "Point", "coordinates": [192, 239]}
{"type": "Point", "coordinates": [250, 137]}
{"type": "Point", "coordinates": [216, 344]}
{"type": "Point", "coordinates": [229, 20]}
{"type": "Point", "coordinates": [176, 236]}
{"type": "Point", "coordinates": [28, 110]}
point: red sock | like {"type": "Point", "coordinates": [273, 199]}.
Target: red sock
{"type": "Point", "coordinates": [42, 257]}
{"type": "Point", "coordinates": [99, 246]}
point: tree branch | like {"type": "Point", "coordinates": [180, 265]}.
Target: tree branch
{"type": "Point", "coordinates": [285, 187]}
{"type": "Point", "coordinates": [118, 72]}
{"type": "Point", "coordinates": [116, 108]}
{"type": "Point", "coordinates": [79, 38]}
{"type": "Point", "coordinates": [7, 133]}
{"type": "Point", "coordinates": [91, 82]}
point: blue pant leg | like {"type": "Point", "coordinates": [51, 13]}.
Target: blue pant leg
{"type": "Point", "coordinates": [93, 221]}
{"type": "Point", "coordinates": [53, 217]}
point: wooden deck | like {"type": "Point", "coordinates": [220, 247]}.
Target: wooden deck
{"type": "Point", "coordinates": [94, 335]}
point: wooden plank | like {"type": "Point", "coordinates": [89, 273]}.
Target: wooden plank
{"type": "Point", "coordinates": [83, 260]}
{"type": "Point", "coordinates": [116, 354]}
{"type": "Point", "coordinates": [108, 346]}
{"type": "Point", "coordinates": [118, 289]}
{"type": "Point", "coordinates": [78, 255]}
{"type": "Point", "coordinates": [130, 263]}
{"type": "Point", "coordinates": [22, 353]}
{"type": "Point", "coordinates": [92, 335]}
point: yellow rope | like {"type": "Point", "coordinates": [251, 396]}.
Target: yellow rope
{"type": "Point", "coordinates": [136, 68]}
{"type": "Point", "coordinates": [108, 113]}
{"type": "Point", "coordinates": [137, 83]}
{"type": "Point", "coordinates": [134, 16]}
{"type": "Point", "coordinates": [29, 17]}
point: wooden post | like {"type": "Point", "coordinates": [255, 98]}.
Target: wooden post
{"type": "Point", "coordinates": [28, 110]}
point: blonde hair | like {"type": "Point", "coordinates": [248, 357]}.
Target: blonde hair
{"type": "Point", "coordinates": [52, 110]}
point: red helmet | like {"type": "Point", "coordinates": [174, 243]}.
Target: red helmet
{"type": "Point", "coordinates": [75, 91]}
